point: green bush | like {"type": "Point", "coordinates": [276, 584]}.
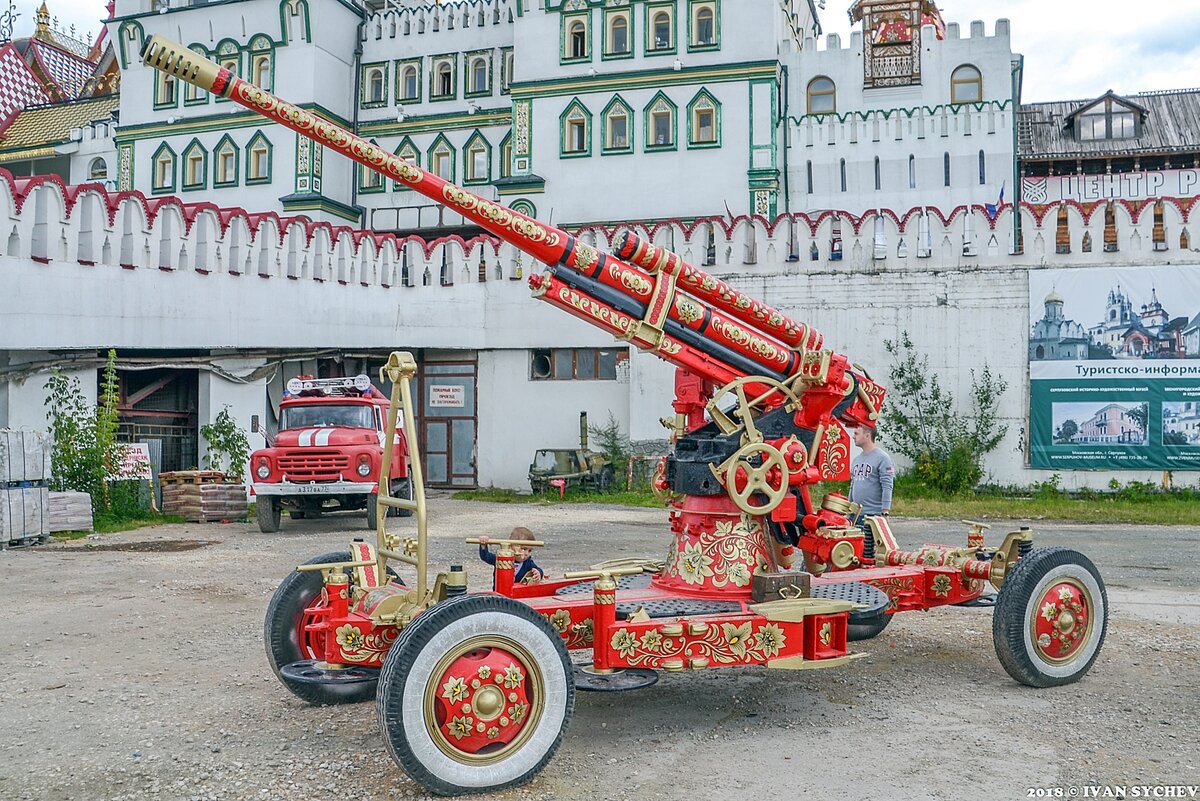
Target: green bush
{"type": "Point", "coordinates": [227, 445]}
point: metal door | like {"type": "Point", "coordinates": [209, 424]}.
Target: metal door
{"type": "Point", "coordinates": [448, 423]}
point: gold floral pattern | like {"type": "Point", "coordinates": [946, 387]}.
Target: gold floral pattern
{"type": "Point", "coordinates": [460, 727]}
{"type": "Point", "coordinates": [455, 689]}
{"type": "Point", "coordinates": [728, 554]}
{"type": "Point", "coordinates": [635, 282]}
{"type": "Point", "coordinates": [350, 637]}
{"type": "Point", "coordinates": [725, 644]}
{"type": "Point", "coordinates": [941, 585]}
{"type": "Point", "coordinates": [485, 671]}
{"type": "Point", "coordinates": [688, 311]}
{"type": "Point", "coordinates": [826, 634]}
{"type": "Point", "coordinates": [560, 620]}
{"type": "Point", "coordinates": [835, 451]}
{"type": "Point", "coordinates": [737, 335]}
{"type": "Point", "coordinates": [602, 313]}
{"type": "Point", "coordinates": [512, 677]}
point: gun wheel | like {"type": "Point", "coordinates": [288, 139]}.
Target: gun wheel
{"type": "Point", "coordinates": [747, 404]}
{"type": "Point", "coordinates": [475, 695]}
{"type": "Point", "coordinates": [1051, 617]}
{"type": "Point", "coordinates": [744, 479]}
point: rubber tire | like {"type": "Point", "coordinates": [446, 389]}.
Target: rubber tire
{"type": "Point", "coordinates": [865, 631]}
{"type": "Point", "coordinates": [291, 598]}
{"type": "Point", "coordinates": [268, 511]}
{"type": "Point", "coordinates": [402, 488]}
{"type": "Point", "coordinates": [604, 481]}
{"type": "Point", "coordinates": [1010, 620]}
{"type": "Point", "coordinates": [372, 512]}
{"type": "Point", "coordinates": [414, 655]}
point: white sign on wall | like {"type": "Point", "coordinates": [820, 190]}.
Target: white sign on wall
{"type": "Point", "coordinates": [447, 396]}
{"type": "Point", "coordinates": [1122, 186]}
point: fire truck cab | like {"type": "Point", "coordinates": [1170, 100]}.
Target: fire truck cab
{"type": "Point", "coordinates": [327, 453]}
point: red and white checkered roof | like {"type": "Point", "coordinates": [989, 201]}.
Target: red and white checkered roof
{"type": "Point", "coordinates": [19, 87]}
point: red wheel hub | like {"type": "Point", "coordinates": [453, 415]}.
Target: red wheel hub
{"type": "Point", "coordinates": [1062, 621]}
{"type": "Point", "coordinates": [482, 700]}
{"type": "Point", "coordinates": [311, 632]}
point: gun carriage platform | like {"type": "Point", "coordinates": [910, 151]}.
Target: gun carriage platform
{"type": "Point", "coordinates": [474, 691]}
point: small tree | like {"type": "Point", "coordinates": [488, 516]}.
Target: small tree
{"type": "Point", "coordinates": [921, 421]}
{"type": "Point", "coordinates": [613, 443]}
{"type": "Point", "coordinates": [227, 444]}
{"type": "Point", "coordinates": [1066, 431]}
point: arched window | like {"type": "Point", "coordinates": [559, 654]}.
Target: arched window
{"type": "Point", "coordinates": [842, 170]}
{"type": "Point", "coordinates": [443, 85]}
{"type": "Point", "coordinates": [98, 170]}
{"type": "Point", "coordinates": [258, 160]}
{"type": "Point", "coordinates": [374, 85]}
{"type": "Point", "coordinates": [982, 169]}
{"type": "Point", "coordinates": [618, 118]}
{"type": "Point", "coordinates": [369, 180]}
{"type": "Point", "coordinates": [479, 76]}
{"type": "Point", "coordinates": [912, 172]}
{"type": "Point", "coordinates": [195, 166]}
{"type": "Point", "coordinates": [164, 90]}
{"type": "Point", "coordinates": [618, 34]}
{"type": "Point", "coordinates": [441, 159]}
{"type": "Point", "coordinates": [478, 160]}
{"type": "Point", "coordinates": [704, 120]}
{"type": "Point", "coordinates": [260, 71]}
{"type": "Point", "coordinates": [194, 94]}
{"type": "Point", "coordinates": [506, 157]}
{"type": "Point", "coordinates": [577, 39]}
{"type": "Point", "coordinates": [164, 170]}
{"type": "Point", "coordinates": [409, 87]}
{"type": "Point", "coordinates": [660, 31]}
{"type": "Point", "coordinates": [225, 169]}
{"type": "Point", "coordinates": [576, 130]}
{"type": "Point", "coordinates": [946, 168]}
{"type": "Point", "coordinates": [966, 85]}
{"type": "Point", "coordinates": [704, 25]}
{"type": "Point", "coordinates": [822, 96]}
{"type": "Point", "coordinates": [878, 176]}
{"type": "Point", "coordinates": [660, 123]}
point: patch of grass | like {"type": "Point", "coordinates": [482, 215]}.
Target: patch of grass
{"type": "Point", "coordinates": [1164, 510]}
{"type": "Point", "coordinates": [70, 535]}
{"type": "Point", "coordinates": [623, 498]}
{"type": "Point", "coordinates": [108, 525]}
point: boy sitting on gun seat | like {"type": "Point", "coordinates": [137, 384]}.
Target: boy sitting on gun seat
{"type": "Point", "coordinates": [527, 570]}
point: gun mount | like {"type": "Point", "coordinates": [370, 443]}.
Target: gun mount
{"type": "Point", "coordinates": [474, 691]}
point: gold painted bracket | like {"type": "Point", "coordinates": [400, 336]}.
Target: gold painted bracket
{"type": "Point", "coordinates": [794, 610]}
{"type": "Point", "coordinates": [800, 663]}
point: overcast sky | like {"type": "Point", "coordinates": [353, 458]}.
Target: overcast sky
{"type": "Point", "coordinates": [1073, 48]}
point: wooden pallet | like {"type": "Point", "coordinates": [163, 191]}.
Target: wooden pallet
{"type": "Point", "coordinates": [191, 477]}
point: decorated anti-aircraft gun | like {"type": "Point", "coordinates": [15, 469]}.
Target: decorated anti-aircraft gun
{"type": "Point", "coordinates": [474, 691]}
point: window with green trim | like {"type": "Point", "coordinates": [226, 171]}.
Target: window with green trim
{"type": "Point", "coordinates": [660, 29]}
{"type": "Point", "coordinates": [704, 121]}
{"type": "Point", "coordinates": [408, 81]}
{"type": "Point", "coordinates": [506, 70]}
{"type": "Point", "coordinates": [660, 124]}
{"type": "Point", "coordinates": [225, 164]}
{"type": "Point", "coordinates": [195, 166]}
{"type": "Point", "coordinates": [374, 85]}
{"type": "Point", "coordinates": [369, 180]}
{"type": "Point", "coordinates": [258, 160]}
{"type": "Point", "coordinates": [194, 95]}
{"type": "Point", "coordinates": [576, 131]}
{"type": "Point", "coordinates": [618, 31]}
{"type": "Point", "coordinates": [479, 74]}
{"type": "Point", "coordinates": [618, 122]}
{"type": "Point", "coordinates": [163, 171]}
{"type": "Point", "coordinates": [229, 56]}
{"type": "Point", "coordinates": [703, 27]}
{"type": "Point", "coordinates": [442, 79]}
{"type": "Point", "coordinates": [576, 37]}
{"type": "Point", "coordinates": [262, 61]}
{"type": "Point", "coordinates": [477, 160]}
{"type": "Point", "coordinates": [166, 90]}
{"type": "Point", "coordinates": [407, 151]}
{"type": "Point", "coordinates": [506, 156]}
{"type": "Point", "coordinates": [441, 159]}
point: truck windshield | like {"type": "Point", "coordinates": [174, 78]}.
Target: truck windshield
{"type": "Point", "coordinates": [324, 415]}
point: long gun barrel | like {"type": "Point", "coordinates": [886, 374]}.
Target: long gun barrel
{"type": "Point", "coordinates": [659, 303]}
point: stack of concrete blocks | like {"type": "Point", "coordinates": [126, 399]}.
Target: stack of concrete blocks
{"type": "Point", "coordinates": [70, 511]}
{"type": "Point", "coordinates": [24, 487]}
{"type": "Point", "coordinates": [201, 496]}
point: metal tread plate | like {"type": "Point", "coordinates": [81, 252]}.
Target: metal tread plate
{"type": "Point", "coordinates": [872, 599]}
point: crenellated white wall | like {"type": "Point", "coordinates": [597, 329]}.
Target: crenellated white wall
{"type": "Point", "coordinates": [165, 275]}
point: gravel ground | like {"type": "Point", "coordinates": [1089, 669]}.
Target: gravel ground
{"type": "Point", "coordinates": [140, 674]}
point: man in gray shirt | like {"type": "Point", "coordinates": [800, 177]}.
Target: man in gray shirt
{"type": "Point", "coordinates": [871, 475]}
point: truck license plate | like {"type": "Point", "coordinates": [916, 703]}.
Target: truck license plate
{"type": "Point", "coordinates": [308, 489]}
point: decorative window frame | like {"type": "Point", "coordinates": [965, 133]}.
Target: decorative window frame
{"type": "Point", "coordinates": [698, 103]}
{"type": "Point", "coordinates": [188, 151]}
{"type": "Point", "coordinates": [469, 60]}
{"type": "Point", "coordinates": [441, 143]}
{"type": "Point", "coordinates": [218, 183]}
{"type": "Point", "coordinates": [616, 103]}
{"type": "Point", "coordinates": [610, 14]}
{"type": "Point", "coordinates": [475, 139]}
{"type": "Point", "coordinates": [250, 147]}
{"type": "Point", "coordinates": [652, 10]}
{"type": "Point", "coordinates": [435, 63]}
{"type": "Point", "coordinates": [201, 97]}
{"type": "Point", "coordinates": [161, 79]}
{"type": "Point", "coordinates": [506, 160]}
{"type": "Point", "coordinates": [656, 104]}
{"type": "Point", "coordinates": [165, 188]}
{"type": "Point", "coordinates": [694, 7]}
{"type": "Point", "coordinates": [524, 206]}
{"type": "Point", "coordinates": [228, 51]}
{"type": "Point", "coordinates": [400, 66]}
{"type": "Point", "coordinates": [808, 95]}
{"type": "Point", "coordinates": [407, 147]}
{"type": "Point", "coordinates": [364, 84]}
{"type": "Point", "coordinates": [575, 111]}
{"type": "Point", "coordinates": [564, 49]}
{"type": "Point", "coordinates": [506, 69]}
{"type": "Point", "coordinates": [261, 46]}
{"type": "Point", "coordinates": [956, 82]}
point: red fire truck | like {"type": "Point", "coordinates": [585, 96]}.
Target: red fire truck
{"type": "Point", "coordinates": [328, 451]}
